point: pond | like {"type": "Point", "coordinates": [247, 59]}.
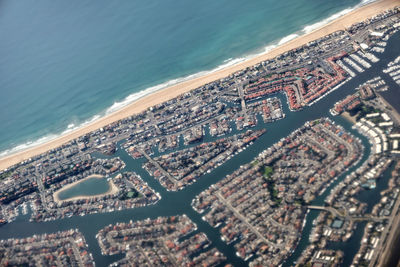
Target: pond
{"type": "Point", "coordinates": [91, 186]}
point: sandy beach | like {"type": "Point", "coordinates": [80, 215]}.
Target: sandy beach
{"type": "Point", "coordinates": [348, 117]}
{"type": "Point", "coordinates": [163, 95]}
{"type": "Point", "coordinates": [113, 189]}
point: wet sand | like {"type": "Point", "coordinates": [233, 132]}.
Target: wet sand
{"type": "Point", "coordinates": [158, 97]}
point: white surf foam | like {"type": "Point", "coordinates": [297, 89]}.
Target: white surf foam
{"type": "Point", "coordinates": [319, 24]}
{"type": "Point", "coordinates": [137, 95]}
{"type": "Point", "coordinates": [288, 38]}
{"type": "Point", "coordinates": [115, 107]}
{"type": "Point", "coordinates": [49, 137]}
{"type": "Point", "coordinates": [28, 144]}
{"type": "Point", "coordinates": [312, 27]}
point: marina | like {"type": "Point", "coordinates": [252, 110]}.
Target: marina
{"type": "Point", "coordinates": [258, 126]}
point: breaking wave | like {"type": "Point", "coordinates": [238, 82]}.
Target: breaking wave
{"type": "Point", "coordinates": [137, 95]}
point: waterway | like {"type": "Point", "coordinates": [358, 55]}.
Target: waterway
{"type": "Point", "coordinates": [372, 197]}
{"type": "Point", "coordinates": [98, 56]}
{"type": "Point", "coordinates": [175, 203]}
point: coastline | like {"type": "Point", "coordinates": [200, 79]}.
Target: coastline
{"type": "Point", "coordinates": [112, 190]}
{"type": "Point", "coordinates": [163, 95]}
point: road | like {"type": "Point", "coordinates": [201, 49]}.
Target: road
{"type": "Point", "coordinates": [241, 95]}
{"type": "Point", "coordinates": [345, 216]}
{"type": "Point", "coordinates": [244, 220]}
{"type": "Point", "coordinates": [388, 238]}
{"type": "Point", "coordinates": [155, 163]}
{"type": "Point", "coordinates": [76, 252]}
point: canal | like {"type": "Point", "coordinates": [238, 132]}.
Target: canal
{"type": "Point", "coordinates": [175, 203]}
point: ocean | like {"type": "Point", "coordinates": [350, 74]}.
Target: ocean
{"type": "Point", "coordinates": [64, 64]}
{"type": "Point", "coordinates": [177, 203]}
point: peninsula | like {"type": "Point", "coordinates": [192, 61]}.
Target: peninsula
{"type": "Point", "coordinates": [161, 96]}
{"type": "Point", "coordinates": [248, 166]}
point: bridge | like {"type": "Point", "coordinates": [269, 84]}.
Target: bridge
{"type": "Point", "coordinates": [332, 210]}
{"type": "Point", "coordinates": [345, 216]}
{"type": "Point", "coordinates": [161, 169]}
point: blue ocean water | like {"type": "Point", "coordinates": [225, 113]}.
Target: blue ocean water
{"type": "Point", "coordinates": [64, 63]}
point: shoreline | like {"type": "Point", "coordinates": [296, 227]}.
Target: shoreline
{"type": "Point", "coordinates": [112, 190]}
{"type": "Point", "coordinates": [346, 115]}
{"type": "Point", "coordinates": [160, 96]}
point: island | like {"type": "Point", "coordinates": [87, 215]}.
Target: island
{"type": "Point", "coordinates": [163, 241]}
{"type": "Point", "coordinates": [67, 248]}
{"type": "Point", "coordinates": [251, 168]}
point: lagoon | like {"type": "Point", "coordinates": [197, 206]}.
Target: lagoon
{"type": "Point", "coordinates": [177, 203]}
{"type": "Point", "coordinates": [91, 186]}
